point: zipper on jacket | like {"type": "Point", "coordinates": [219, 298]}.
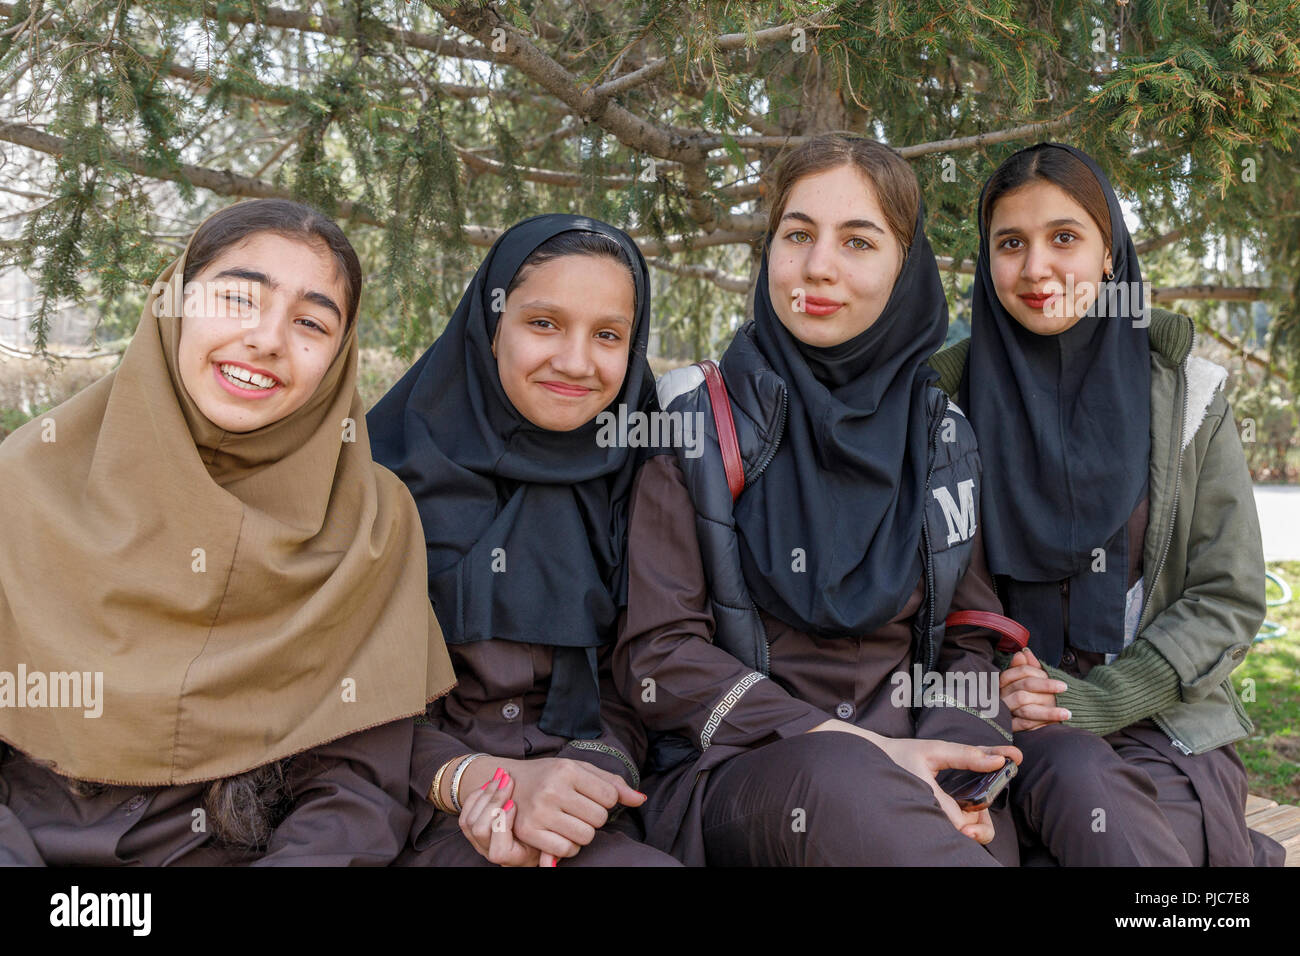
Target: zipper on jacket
{"type": "Point", "coordinates": [975, 713]}
{"type": "Point", "coordinates": [765, 663]}
{"type": "Point", "coordinates": [1169, 540]}
{"type": "Point", "coordinates": [1170, 734]}
{"type": "Point", "coordinates": [931, 652]}
{"type": "Point", "coordinates": [771, 453]}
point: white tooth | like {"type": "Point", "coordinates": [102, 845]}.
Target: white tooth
{"type": "Point", "coordinates": [244, 377]}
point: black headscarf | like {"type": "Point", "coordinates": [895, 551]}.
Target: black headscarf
{"type": "Point", "coordinates": [485, 478]}
{"type": "Point", "coordinates": [847, 482]}
{"type": "Point", "coordinates": [1064, 427]}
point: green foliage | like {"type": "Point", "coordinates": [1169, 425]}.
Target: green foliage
{"type": "Point", "coordinates": [1174, 98]}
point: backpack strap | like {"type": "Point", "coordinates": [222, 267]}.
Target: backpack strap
{"type": "Point", "coordinates": [725, 425]}
{"type": "Point", "coordinates": [1015, 636]}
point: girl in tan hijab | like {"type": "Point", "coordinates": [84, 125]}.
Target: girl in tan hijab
{"type": "Point", "coordinates": [214, 625]}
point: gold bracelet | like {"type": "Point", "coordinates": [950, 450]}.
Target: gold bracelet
{"type": "Point", "coordinates": [435, 792]}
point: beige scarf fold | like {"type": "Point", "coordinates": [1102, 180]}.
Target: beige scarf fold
{"type": "Point", "coordinates": [245, 596]}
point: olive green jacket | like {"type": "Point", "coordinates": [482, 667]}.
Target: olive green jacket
{"type": "Point", "coordinates": [1203, 563]}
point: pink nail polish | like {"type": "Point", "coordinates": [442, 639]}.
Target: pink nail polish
{"type": "Point", "coordinates": [555, 863]}
{"type": "Point", "coordinates": [509, 804]}
{"type": "Point", "coordinates": [504, 780]}
{"type": "Point", "coordinates": [486, 785]}
{"type": "Point", "coordinates": [497, 775]}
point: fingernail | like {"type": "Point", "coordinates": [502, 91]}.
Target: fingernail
{"type": "Point", "coordinates": [486, 785]}
{"type": "Point", "coordinates": [497, 775]}
{"type": "Point", "coordinates": [1068, 715]}
{"type": "Point", "coordinates": [504, 780]}
{"type": "Point", "coordinates": [509, 804]}
{"type": "Point", "coordinates": [555, 863]}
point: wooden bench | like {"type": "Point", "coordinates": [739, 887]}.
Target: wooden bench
{"type": "Point", "coordinates": [1281, 822]}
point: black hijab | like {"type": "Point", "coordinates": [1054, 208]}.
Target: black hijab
{"type": "Point", "coordinates": [1064, 426]}
{"type": "Point", "coordinates": [847, 483]}
{"type": "Point", "coordinates": [524, 527]}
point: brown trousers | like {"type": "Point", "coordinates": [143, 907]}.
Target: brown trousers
{"type": "Point", "coordinates": [832, 799]}
{"type": "Point", "coordinates": [1131, 799]}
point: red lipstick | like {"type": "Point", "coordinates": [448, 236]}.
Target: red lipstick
{"type": "Point", "coordinates": [816, 305]}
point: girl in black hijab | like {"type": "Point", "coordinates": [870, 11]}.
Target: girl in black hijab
{"type": "Point", "coordinates": [525, 517]}
{"type": "Point", "coordinates": [1120, 526]}
{"type": "Point", "coordinates": [806, 605]}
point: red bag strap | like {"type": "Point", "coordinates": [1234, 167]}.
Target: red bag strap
{"type": "Point", "coordinates": [725, 425]}
{"type": "Point", "coordinates": [1015, 636]}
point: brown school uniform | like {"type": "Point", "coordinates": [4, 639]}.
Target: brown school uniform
{"type": "Point", "coordinates": [495, 710]}
{"type": "Point", "coordinates": [349, 809]}
{"type": "Point", "coordinates": [704, 694]}
{"type": "Point", "coordinates": [245, 598]}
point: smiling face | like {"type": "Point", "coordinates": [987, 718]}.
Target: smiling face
{"type": "Point", "coordinates": [833, 260]}
{"type": "Point", "coordinates": [563, 340]}
{"type": "Point", "coordinates": [1047, 257]}
{"type": "Point", "coordinates": [262, 322]}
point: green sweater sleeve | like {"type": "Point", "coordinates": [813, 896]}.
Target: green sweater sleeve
{"type": "Point", "coordinates": [1137, 684]}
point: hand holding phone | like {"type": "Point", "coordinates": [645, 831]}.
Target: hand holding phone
{"type": "Point", "coordinates": [973, 790]}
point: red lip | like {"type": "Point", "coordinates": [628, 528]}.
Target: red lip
{"type": "Point", "coordinates": [815, 305]}
{"type": "Point", "coordinates": [562, 388]}
{"type": "Point", "coordinates": [1037, 301]}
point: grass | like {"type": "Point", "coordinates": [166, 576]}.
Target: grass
{"type": "Point", "coordinates": [1272, 753]}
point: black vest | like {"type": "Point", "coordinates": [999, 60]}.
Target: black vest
{"type": "Point", "coordinates": [758, 407]}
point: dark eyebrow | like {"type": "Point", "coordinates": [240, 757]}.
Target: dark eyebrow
{"type": "Point", "coordinates": [1051, 225]}
{"type": "Point", "coordinates": [320, 298]}
{"type": "Point", "coordinates": [249, 274]}
{"type": "Point", "coordinates": [252, 275]}
{"type": "Point", "coordinates": [847, 224]}
{"type": "Point", "coordinates": [547, 306]}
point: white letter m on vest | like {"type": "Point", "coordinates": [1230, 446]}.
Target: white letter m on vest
{"type": "Point", "coordinates": [961, 521]}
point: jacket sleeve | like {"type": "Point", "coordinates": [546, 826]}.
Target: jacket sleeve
{"type": "Point", "coordinates": [966, 661]}
{"type": "Point", "coordinates": [1203, 635]}
{"type": "Point", "coordinates": [16, 845]}
{"type": "Point", "coordinates": [350, 801]}
{"type": "Point", "coordinates": [1207, 631]}
{"type": "Point", "coordinates": [665, 664]}
{"type": "Point", "coordinates": [430, 749]}
{"type": "Point", "coordinates": [621, 747]}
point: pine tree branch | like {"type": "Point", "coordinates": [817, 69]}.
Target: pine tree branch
{"type": "Point", "coordinates": [334, 27]}
{"type": "Point", "coordinates": [723, 280]}
{"type": "Point", "coordinates": [1159, 242]}
{"type": "Point", "coordinates": [907, 152]}
{"type": "Point", "coordinates": [486, 25]}
{"type": "Point", "coordinates": [1239, 348]}
{"type": "Point", "coordinates": [550, 177]}
{"type": "Point", "coordinates": [1216, 293]}
{"type": "Point", "coordinates": [225, 183]}
{"type": "Point", "coordinates": [725, 42]}
{"type": "Point", "coordinates": [114, 349]}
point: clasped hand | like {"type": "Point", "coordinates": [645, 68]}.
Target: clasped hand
{"type": "Point", "coordinates": [560, 805]}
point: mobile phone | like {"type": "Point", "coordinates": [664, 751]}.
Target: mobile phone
{"type": "Point", "coordinates": [974, 790]}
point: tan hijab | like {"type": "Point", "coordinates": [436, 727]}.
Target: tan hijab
{"type": "Point", "coordinates": [305, 617]}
